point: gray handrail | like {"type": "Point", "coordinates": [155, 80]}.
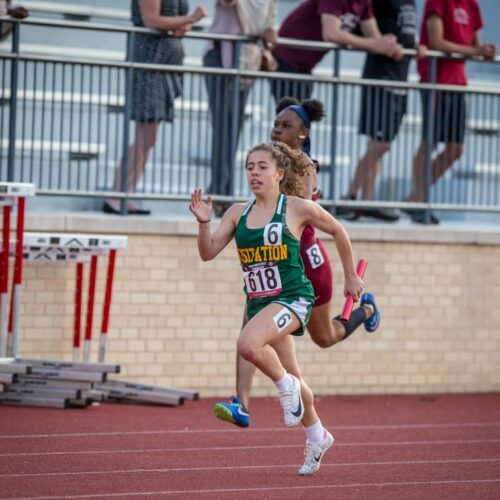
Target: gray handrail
{"type": "Point", "coordinates": [286, 42]}
{"type": "Point", "coordinates": [257, 74]}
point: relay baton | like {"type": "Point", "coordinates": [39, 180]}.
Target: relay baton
{"type": "Point", "coordinates": [349, 301]}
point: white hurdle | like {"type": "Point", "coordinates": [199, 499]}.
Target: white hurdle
{"type": "Point", "coordinates": [10, 193]}
{"type": "Point", "coordinates": [38, 382]}
{"type": "Point", "coordinates": [80, 248]}
{"type": "Point", "coordinates": [56, 383]}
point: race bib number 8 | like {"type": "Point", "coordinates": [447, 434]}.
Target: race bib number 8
{"type": "Point", "coordinates": [315, 256]}
{"type": "Point", "coordinates": [263, 282]}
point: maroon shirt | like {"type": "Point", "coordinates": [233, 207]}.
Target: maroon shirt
{"type": "Point", "coordinates": [317, 266]}
{"type": "Point", "coordinates": [461, 19]}
{"type": "Point", "coordinates": [304, 23]}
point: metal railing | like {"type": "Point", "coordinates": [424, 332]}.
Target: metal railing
{"type": "Point", "coordinates": [64, 125]}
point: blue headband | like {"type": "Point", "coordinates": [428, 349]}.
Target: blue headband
{"type": "Point", "coordinates": [302, 113]}
{"type": "Point", "coordinates": [307, 122]}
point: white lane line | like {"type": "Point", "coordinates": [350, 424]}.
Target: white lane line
{"type": "Point", "coordinates": [253, 430]}
{"type": "Point", "coordinates": [251, 447]}
{"type": "Point", "coordinates": [270, 488]}
{"type": "Point", "coordinates": [244, 467]}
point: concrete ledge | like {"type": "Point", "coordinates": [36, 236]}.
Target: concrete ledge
{"type": "Point", "coordinates": [403, 231]}
{"type": "Point", "coordinates": [175, 319]}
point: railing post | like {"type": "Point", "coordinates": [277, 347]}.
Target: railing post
{"type": "Point", "coordinates": [13, 103]}
{"type": "Point", "coordinates": [333, 144]}
{"type": "Point", "coordinates": [429, 136]}
{"type": "Point", "coordinates": [126, 125]}
{"type": "Point", "coordinates": [235, 102]}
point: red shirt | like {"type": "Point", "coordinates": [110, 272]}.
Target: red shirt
{"type": "Point", "coordinates": [461, 19]}
{"type": "Point", "coordinates": [304, 23]}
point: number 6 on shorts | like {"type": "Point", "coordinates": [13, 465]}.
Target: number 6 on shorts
{"type": "Point", "coordinates": [282, 319]}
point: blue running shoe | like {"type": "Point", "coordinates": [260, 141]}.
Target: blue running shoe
{"type": "Point", "coordinates": [233, 412]}
{"type": "Point", "coordinates": [373, 322]}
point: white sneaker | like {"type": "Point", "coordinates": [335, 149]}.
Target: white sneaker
{"type": "Point", "coordinates": [291, 402]}
{"type": "Point", "coordinates": [314, 453]}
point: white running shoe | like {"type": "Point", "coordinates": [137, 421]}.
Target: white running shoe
{"type": "Point", "coordinates": [314, 453]}
{"type": "Point", "coordinates": [291, 402]}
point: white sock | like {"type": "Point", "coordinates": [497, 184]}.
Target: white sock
{"type": "Point", "coordinates": [284, 383]}
{"type": "Point", "coordinates": [315, 433]}
{"type": "Point", "coordinates": [372, 309]}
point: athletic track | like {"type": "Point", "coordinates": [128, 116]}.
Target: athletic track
{"type": "Point", "coordinates": [387, 447]}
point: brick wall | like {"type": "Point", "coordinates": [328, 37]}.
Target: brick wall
{"type": "Point", "coordinates": [175, 319]}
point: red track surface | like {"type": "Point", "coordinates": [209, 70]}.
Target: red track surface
{"type": "Point", "coordinates": [392, 447]}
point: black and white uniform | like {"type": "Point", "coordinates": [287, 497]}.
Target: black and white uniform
{"type": "Point", "coordinates": [382, 108]}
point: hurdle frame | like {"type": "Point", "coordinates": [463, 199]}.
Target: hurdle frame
{"type": "Point", "coordinates": [59, 383]}
{"type": "Point", "coordinates": [10, 192]}
{"type": "Point", "coordinates": [80, 248]}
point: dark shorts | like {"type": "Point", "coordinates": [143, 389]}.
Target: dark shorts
{"type": "Point", "coordinates": [317, 266]}
{"type": "Point", "coordinates": [290, 88]}
{"type": "Point", "coordinates": [448, 117]}
{"type": "Point", "coordinates": [381, 113]}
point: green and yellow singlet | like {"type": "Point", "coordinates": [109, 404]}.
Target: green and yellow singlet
{"type": "Point", "coordinates": [272, 266]}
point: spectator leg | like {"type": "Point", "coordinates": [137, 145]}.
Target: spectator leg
{"type": "Point", "coordinates": [368, 169]}
{"type": "Point", "coordinates": [138, 153]}
{"type": "Point", "coordinates": [418, 178]}
{"type": "Point", "coordinates": [444, 160]}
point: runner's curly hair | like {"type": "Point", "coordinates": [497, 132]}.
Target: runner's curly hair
{"type": "Point", "coordinates": [313, 107]}
{"type": "Point", "coordinates": [295, 164]}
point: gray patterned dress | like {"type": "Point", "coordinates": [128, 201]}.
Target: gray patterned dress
{"type": "Point", "coordinates": [153, 92]}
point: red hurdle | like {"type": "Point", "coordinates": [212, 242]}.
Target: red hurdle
{"type": "Point", "coordinates": [90, 308]}
{"type": "Point", "coordinates": [4, 279]}
{"type": "Point", "coordinates": [10, 193]}
{"type": "Point", "coordinates": [78, 311]}
{"type": "Point", "coordinates": [106, 307]}
{"type": "Point", "coordinates": [79, 248]}
{"type": "Point", "coordinates": [15, 301]}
